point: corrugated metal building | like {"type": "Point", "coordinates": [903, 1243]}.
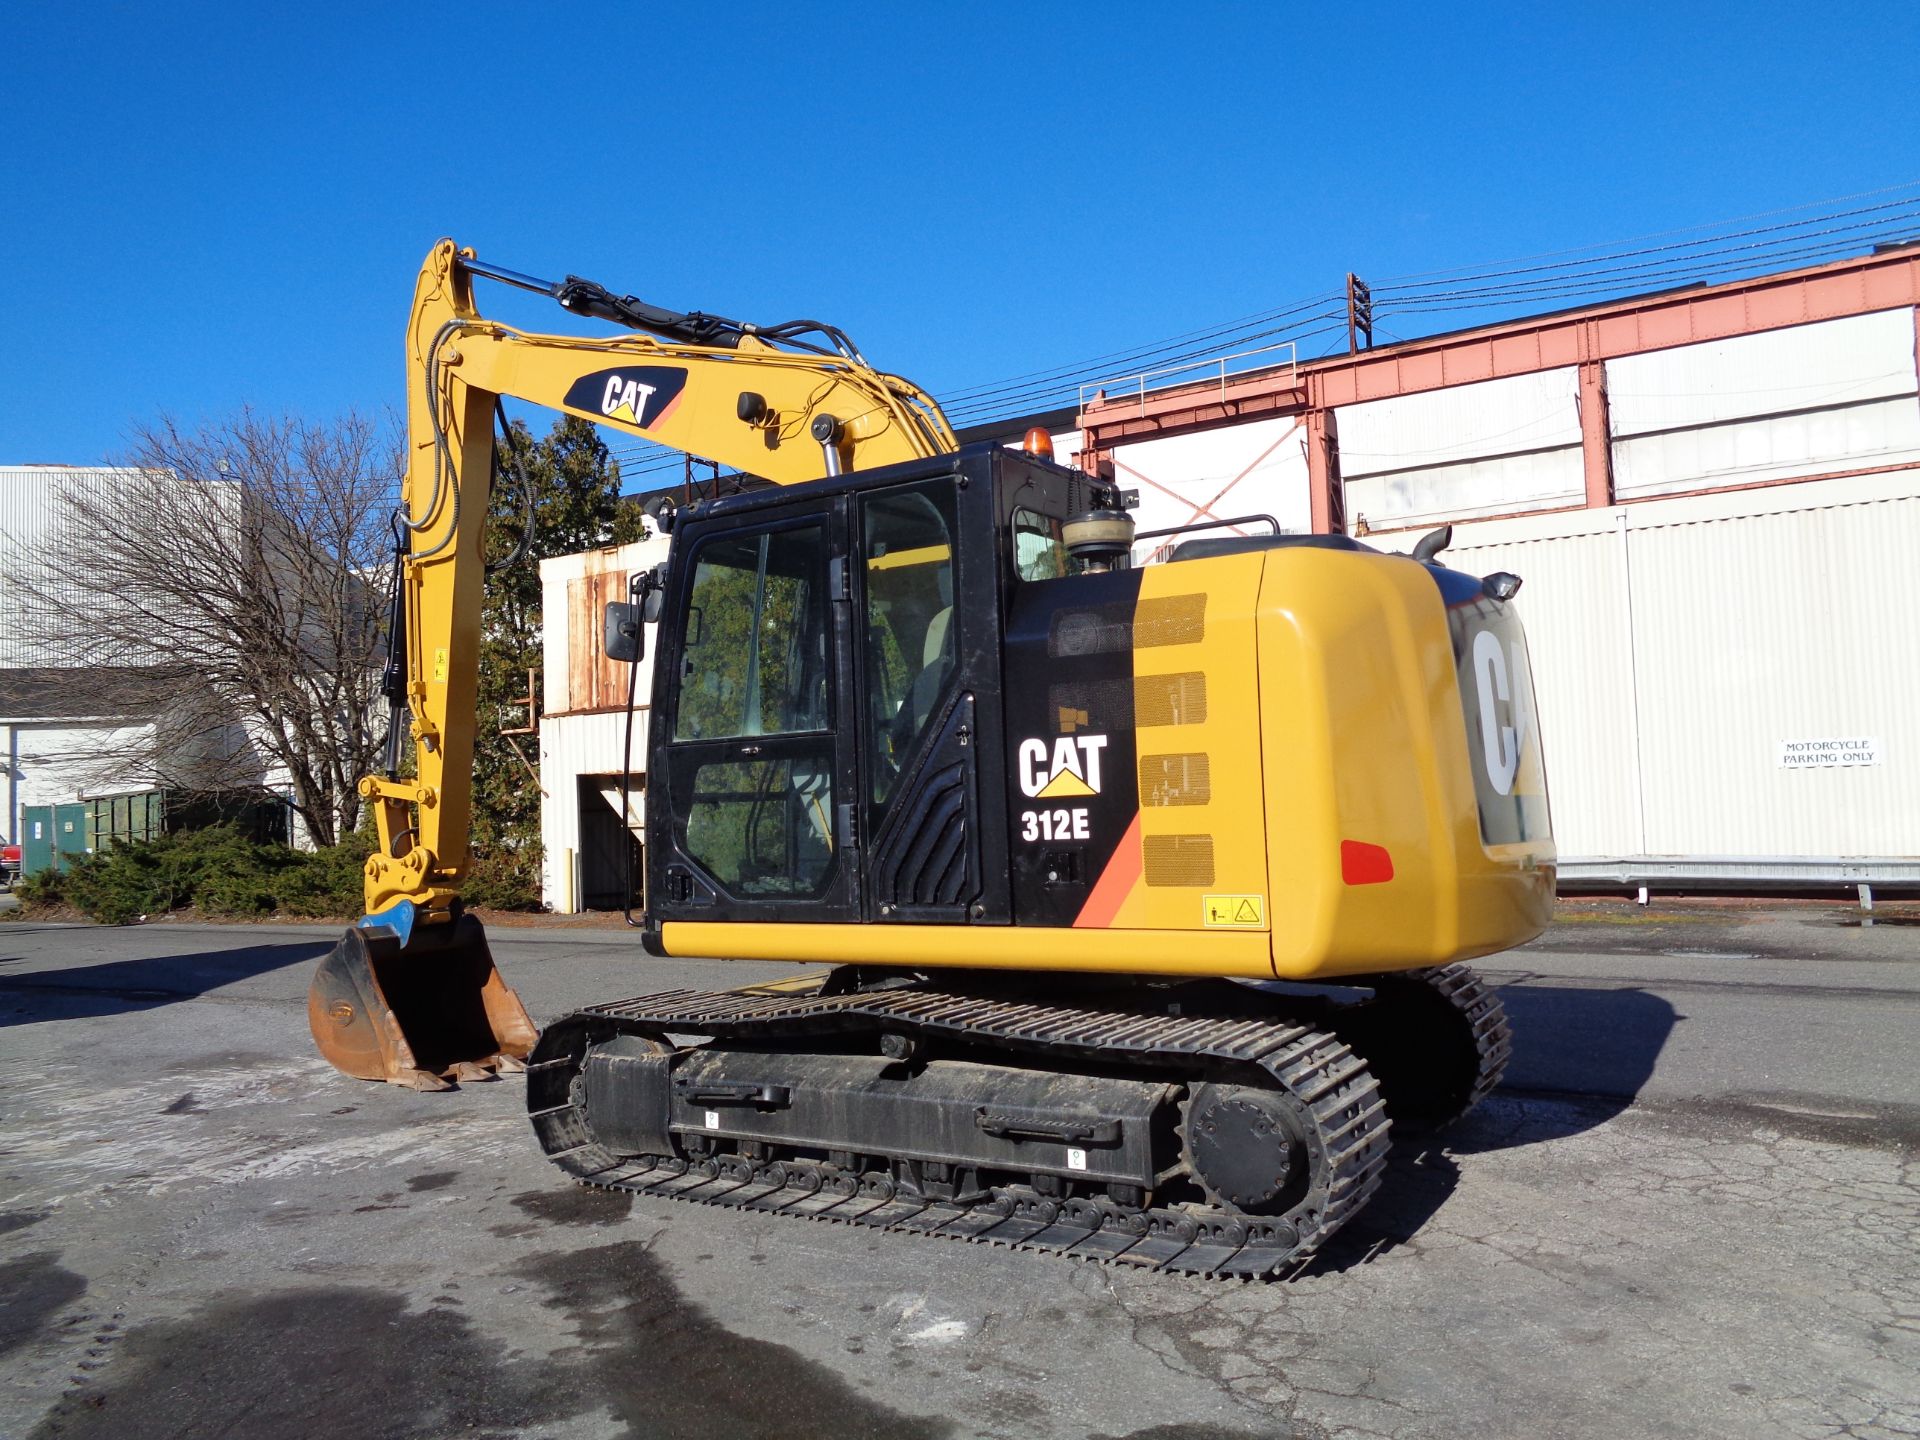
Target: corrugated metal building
{"type": "Point", "coordinates": [583, 728]}
{"type": "Point", "coordinates": [1680, 648]}
{"type": "Point", "coordinates": [1713, 496]}
{"type": "Point", "coordinates": [33, 514]}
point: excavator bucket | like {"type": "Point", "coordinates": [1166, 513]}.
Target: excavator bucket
{"type": "Point", "coordinates": [422, 1008]}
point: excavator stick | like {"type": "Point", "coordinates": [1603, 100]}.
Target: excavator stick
{"type": "Point", "coordinates": [424, 1008]}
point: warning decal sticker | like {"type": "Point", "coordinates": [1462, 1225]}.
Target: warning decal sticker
{"type": "Point", "coordinates": [1234, 912]}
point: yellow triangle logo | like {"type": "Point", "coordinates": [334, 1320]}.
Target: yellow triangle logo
{"type": "Point", "coordinates": [623, 411]}
{"type": "Point", "coordinates": [1065, 785]}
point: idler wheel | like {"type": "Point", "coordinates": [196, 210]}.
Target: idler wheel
{"type": "Point", "coordinates": [1247, 1148]}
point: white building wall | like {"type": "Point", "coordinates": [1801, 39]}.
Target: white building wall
{"type": "Point", "coordinates": [1677, 644]}
{"type": "Point", "coordinates": [53, 762]}
{"type": "Point", "coordinates": [34, 518]}
{"type": "Point", "coordinates": [573, 747]}
{"type": "Point", "coordinates": [1791, 608]}
{"type": "Point", "coordinates": [1469, 450]}
{"type": "Point", "coordinates": [1256, 468]}
{"type": "Point", "coordinates": [579, 739]}
{"type": "Point", "coordinates": [1812, 399]}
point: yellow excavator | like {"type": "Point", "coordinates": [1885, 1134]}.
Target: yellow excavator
{"type": "Point", "coordinates": [1145, 891]}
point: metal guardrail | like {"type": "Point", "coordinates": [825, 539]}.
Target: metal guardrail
{"type": "Point", "coordinates": [1138, 383]}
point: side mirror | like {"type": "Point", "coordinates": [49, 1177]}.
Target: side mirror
{"type": "Point", "coordinates": [625, 633]}
{"type": "Point", "coordinates": [653, 597]}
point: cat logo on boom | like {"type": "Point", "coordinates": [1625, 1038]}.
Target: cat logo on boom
{"type": "Point", "coordinates": [638, 395]}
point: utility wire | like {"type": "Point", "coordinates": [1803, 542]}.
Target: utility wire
{"type": "Point", "coordinates": [1682, 230]}
{"type": "Point", "coordinates": [1820, 230]}
{"type": "Point", "coordinates": [1718, 251]}
{"type": "Point", "coordinates": [1126, 359]}
{"type": "Point", "coordinates": [1836, 238]}
{"type": "Point", "coordinates": [1512, 296]}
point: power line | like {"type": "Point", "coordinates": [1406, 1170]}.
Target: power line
{"type": "Point", "coordinates": [1837, 237]}
{"type": "Point", "coordinates": [1717, 251]}
{"type": "Point", "coordinates": [1682, 230]}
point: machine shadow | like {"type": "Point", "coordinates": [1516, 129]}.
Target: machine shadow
{"type": "Point", "coordinates": [118, 987]}
{"type": "Point", "coordinates": [1580, 1057]}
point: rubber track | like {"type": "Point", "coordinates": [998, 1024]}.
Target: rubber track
{"type": "Point", "coordinates": [1339, 1097]}
{"type": "Point", "coordinates": [1479, 1006]}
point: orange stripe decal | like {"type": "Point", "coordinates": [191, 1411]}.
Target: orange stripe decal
{"type": "Point", "coordinates": [664, 415]}
{"type": "Point", "coordinates": [1116, 882]}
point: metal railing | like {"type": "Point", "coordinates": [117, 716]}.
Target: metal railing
{"type": "Point", "coordinates": [1106, 389]}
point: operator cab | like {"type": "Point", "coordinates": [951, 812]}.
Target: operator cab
{"type": "Point", "coordinates": [830, 657]}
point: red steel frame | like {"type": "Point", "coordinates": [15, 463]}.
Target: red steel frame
{"type": "Point", "coordinates": [1585, 338]}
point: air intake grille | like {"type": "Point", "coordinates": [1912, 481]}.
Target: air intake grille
{"type": "Point", "coordinates": [1096, 630]}
{"type": "Point", "coordinates": [1175, 780]}
{"type": "Point", "coordinates": [1107, 705]}
{"type": "Point", "coordinates": [1170, 699]}
{"type": "Point", "coordinates": [1179, 859]}
{"type": "Point", "coordinates": [1170, 620]}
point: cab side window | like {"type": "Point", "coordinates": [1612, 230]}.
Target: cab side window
{"type": "Point", "coordinates": [755, 664]}
{"type": "Point", "coordinates": [911, 632]}
{"type": "Point", "coordinates": [754, 650]}
{"type": "Point", "coordinates": [1038, 551]}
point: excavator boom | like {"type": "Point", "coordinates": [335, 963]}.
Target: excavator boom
{"type": "Point", "coordinates": [410, 995]}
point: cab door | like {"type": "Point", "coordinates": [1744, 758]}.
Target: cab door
{"type": "Point", "coordinates": [753, 750]}
{"type": "Point", "coordinates": [927, 630]}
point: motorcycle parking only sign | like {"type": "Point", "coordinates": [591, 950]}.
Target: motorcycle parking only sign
{"type": "Point", "coordinates": [1828, 754]}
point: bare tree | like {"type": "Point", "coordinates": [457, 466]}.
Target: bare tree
{"type": "Point", "coordinates": [236, 574]}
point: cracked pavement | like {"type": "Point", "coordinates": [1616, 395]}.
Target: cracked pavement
{"type": "Point", "coordinates": [1692, 1211]}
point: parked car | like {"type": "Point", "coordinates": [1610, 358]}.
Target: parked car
{"type": "Point", "coordinates": [9, 863]}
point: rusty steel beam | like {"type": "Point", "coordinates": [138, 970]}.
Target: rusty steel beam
{"type": "Point", "coordinates": [1202, 406]}
{"type": "Point", "coordinates": [1595, 334]}
{"type": "Point", "coordinates": [1596, 433]}
{"type": "Point", "coordinates": [1326, 497]}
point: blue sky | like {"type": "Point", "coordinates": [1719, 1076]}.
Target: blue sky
{"type": "Point", "coordinates": [204, 206]}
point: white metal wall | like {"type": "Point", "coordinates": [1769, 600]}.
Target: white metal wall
{"type": "Point", "coordinates": [33, 514]}
{"type": "Point", "coordinates": [1812, 399]}
{"type": "Point", "coordinates": [573, 745]}
{"type": "Point", "coordinates": [52, 762]}
{"type": "Point", "coordinates": [1256, 468]}
{"type": "Point", "coordinates": [1482, 449]}
{"type": "Point", "coordinates": [1677, 643]}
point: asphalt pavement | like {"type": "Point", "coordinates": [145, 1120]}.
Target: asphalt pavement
{"type": "Point", "coordinates": [1693, 1210]}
